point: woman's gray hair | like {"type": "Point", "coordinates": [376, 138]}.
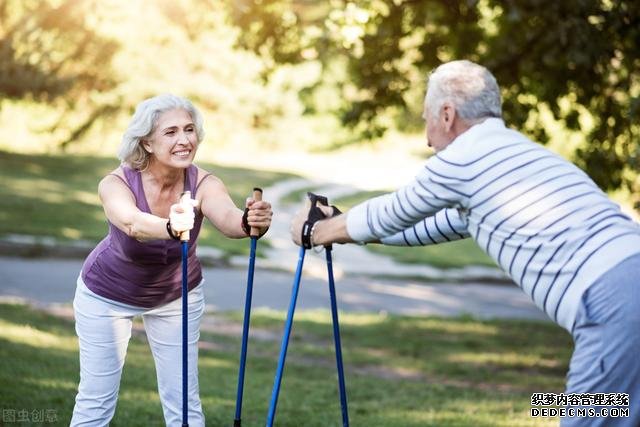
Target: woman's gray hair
{"type": "Point", "coordinates": [144, 122]}
{"type": "Point", "coordinates": [470, 87]}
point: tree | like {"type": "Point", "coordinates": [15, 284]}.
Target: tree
{"type": "Point", "coordinates": [579, 58]}
{"type": "Point", "coordinates": [49, 54]}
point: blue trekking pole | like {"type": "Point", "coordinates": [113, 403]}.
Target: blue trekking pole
{"type": "Point", "coordinates": [184, 242]}
{"type": "Point", "coordinates": [315, 214]}
{"type": "Point", "coordinates": [336, 339]}
{"type": "Point", "coordinates": [254, 234]}
{"type": "Point", "coordinates": [285, 339]}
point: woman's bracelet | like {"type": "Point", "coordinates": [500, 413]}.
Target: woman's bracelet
{"type": "Point", "coordinates": [244, 222]}
{"type": "Point", "coordinates": [170, 231]}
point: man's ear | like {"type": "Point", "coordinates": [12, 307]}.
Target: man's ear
{"type": "Point", "coordinates": [448, 116]}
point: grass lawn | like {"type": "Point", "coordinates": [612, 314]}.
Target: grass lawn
{"type": "Point", "coordinates": [57, 196]}
{"type": "Point", "coordinates": [400, 371]}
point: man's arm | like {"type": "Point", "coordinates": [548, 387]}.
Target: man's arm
{"type": "Point", "coordinates": [445, 226]}
{"type": "Point", "coordinates": [389, 214]}
{"type": "Point", "coordinates": [386, 215]}
{"type": "Point", "coordinates": [332, 230]}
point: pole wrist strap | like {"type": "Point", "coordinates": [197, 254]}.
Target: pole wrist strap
{"type": "Point", "coordinates": [170, 231]}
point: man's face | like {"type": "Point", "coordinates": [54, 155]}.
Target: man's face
{"type": "Point", "coordinates": [437, 130]}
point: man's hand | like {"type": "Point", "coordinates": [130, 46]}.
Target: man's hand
{"type": "Point", "coordinates": [301, 217]}
{"type": "Point", "coordinates": [298, 221]}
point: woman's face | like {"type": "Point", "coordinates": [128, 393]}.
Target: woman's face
{"type": "Point", "coordinates": [174, 140]}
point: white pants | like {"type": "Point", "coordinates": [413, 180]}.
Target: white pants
{"type": "Point", "coordinates": [104, 328]}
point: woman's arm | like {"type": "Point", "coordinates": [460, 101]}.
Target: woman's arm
{"type": "Point", "coordinates": [119, 206]}
{"type": "Point", "coordinates": [217, 206]}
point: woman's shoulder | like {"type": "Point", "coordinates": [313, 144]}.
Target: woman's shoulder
{"type": "Point", "coordinates": [204, 175]}
{"type": "Point", "coordinates": [116, 174]}
{"type": "Point", "coordinates": [119, 171]}
{"type": "Point", "coordinates": [116, 177]}
{"type": "Point", "coordinates": [208, 183]}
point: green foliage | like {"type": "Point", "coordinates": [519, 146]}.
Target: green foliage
{"type": "Point", "coordinates": [591, 57]}
{"type": "Point", "coordinates": [78, 68]}
{"type": "Point", "coordinates": [269, 71]}
{"type": "Point", "coordinates": [275, 30]}
{"type": "Point", "coordinates": [578, 58]}
{"type": "Point", "coordinates": [49, 53]}
{"type": "Point", "coordinates": [47, 50]}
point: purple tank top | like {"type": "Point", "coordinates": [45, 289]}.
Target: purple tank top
{"type": "Point", "coordinates": [142, 274]}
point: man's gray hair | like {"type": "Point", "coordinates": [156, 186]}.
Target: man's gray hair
{"type": "Point", "coordinates": [470, 87]}
{"type": "Point", "coordinates": [144, 122]}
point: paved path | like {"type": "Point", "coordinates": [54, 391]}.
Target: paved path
{"type": "Point", "coordinates": [50, 281]}
{"type": "Point", "coordinates": [348, 258]}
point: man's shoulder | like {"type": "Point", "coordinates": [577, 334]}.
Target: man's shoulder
{"type": "Point", "coordinates": [483, 142]}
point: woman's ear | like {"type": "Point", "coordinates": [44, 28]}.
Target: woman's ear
{"type": "Point", "coordinates": [146, 144]}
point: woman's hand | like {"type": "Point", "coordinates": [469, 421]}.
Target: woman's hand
{"type": "Point", "coordinates": [182, 216]}
{"type": "Point", "coordinates": [259, 214]}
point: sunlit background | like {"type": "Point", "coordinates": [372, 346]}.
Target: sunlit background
{"type": "Point", "coordinates": [329, 89]}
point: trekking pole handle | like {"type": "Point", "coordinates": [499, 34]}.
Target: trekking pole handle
{"type": "Point", "coordinates": [315, 214]}
{"type": "Point", "coordinates": [184, 199]}
{"type": "Point", "coordinates": [257, 196]}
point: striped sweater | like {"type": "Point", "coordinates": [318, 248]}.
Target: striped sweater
{"type": "Point", "coordinates": [541, 218]}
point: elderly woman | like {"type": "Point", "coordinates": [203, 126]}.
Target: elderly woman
{"type": "Point", "coordinates": [136, 269]}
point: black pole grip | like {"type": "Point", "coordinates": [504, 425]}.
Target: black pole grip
{"type": "Point", "coordinates": [315, 215]}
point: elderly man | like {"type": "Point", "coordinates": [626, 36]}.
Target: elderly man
{"type": "Point", "coordinates": [541, 219]}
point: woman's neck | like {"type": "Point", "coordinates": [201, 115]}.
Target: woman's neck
{"type": "Point", "coordinates": [163, 176]}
